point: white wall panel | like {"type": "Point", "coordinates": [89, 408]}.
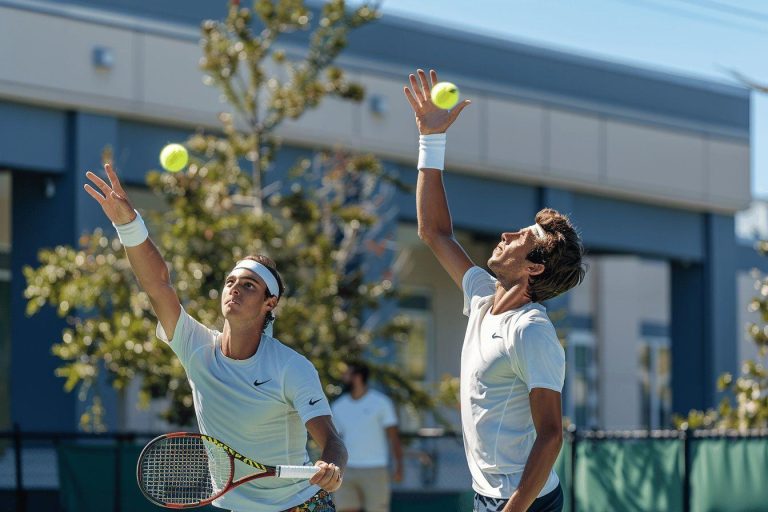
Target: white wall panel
{"type": "Point", "coordinates": [466, 136]}
{"type": "Point", "coordinates": [171, 78]}
{"type": "Point", "coordinates": [618, 325]}
{"type": "Point", "coordinates": [515, 135]}
{"type": "Point", "coordinates": [727, 177]}
{"type": "Point", "coordinates": [53, 53]}
{"type": "Point", "coordinates": [395, 130]}
{"type": "Point", "coordinates": [655, 160]}
{"type": "Point", "coordinates": [575, 148]}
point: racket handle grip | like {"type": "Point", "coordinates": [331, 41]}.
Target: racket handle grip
{"type": "Point", "coordinates": [305, 472]}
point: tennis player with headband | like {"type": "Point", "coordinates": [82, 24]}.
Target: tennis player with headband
{"type": "Point", "coordinates": [512, 363]}
{"type": "Point", "coordinates": [249, 390]}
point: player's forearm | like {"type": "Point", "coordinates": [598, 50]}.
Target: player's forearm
{"type": "Point", "coordinates": [397, 451]}
{"type": "Point", "coordinates": [433, 214]}
{"type": "Point", "coordinates": [334, 452]}
{"type": "Point", "coordinates": [542, 458]}
{"type": "Point", "coordinates": [148, 265]}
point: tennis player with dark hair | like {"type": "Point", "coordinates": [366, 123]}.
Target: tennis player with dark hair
{"type": "Point", "coordinates": [250, 391]}
{"type": "Point", "coordinates": [512, 363]}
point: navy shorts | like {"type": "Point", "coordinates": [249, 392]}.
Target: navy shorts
{"type": "Point", "coordinates": [550, 502]}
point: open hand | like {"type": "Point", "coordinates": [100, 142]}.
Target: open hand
{"type": "Point", "coordinates": [113, 199]}
{"type": "Point", "coordinates": [429, 117]}
{"type": "Point", "coordinates": [329, 476]}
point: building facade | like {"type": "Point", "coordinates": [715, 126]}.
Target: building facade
{"type": "Point", "coordinates": [651, 167]}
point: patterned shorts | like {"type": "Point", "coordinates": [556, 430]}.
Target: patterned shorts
{"type": "Point", "coordinates": [320, 502]}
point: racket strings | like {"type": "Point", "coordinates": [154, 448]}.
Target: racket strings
{"type": "Point", "coordinates": [185, 470]}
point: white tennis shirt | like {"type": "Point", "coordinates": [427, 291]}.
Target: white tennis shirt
{"type": "Point", "coordinates": [503, 358]}
{"type": "Point", "coordinates": [362, 424]}
{"type": "Point", "coordinates": [258, 406]}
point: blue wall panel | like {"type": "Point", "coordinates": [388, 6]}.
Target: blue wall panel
{"type": "Point", "coordinates": [610, 225]}
{"type": "Point", "coordinates": [138, 147]}
{"type": "Point", "coordinates": [37, 399]}
{"type": "Point", "coordinates": [33, 138]}
{"type": "Point", "coordinates": [485, 206]}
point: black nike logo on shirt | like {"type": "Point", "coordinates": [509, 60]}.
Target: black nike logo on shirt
{"type": "Point", "coordinates": [496, 336]}
{"type": "Point", "coordinates": [313, 402]}
{"type": "Point", "coordinates": [257, 383]}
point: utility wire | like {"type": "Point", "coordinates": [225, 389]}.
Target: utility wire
{"type": "Point", "coordinates": [728, 9]}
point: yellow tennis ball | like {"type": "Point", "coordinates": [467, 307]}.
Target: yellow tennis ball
{"type": "Point", "coordinates": [445, 95]}
{"type": "Point", "coordinates": [174, 157]}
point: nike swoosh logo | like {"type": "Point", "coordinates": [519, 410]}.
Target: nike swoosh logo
{"type": "Point", "coordinates": [257, 383]}
{"type": "Point", "coordinates": [496, 336]}
{"type": "Point", "coordinates": [313, 402]}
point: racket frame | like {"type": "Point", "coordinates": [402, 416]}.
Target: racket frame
{"type": "Point", "coordinates": [263, 469]}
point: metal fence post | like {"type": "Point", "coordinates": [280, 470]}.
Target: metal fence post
{"type": "Point", "coordinates": [21, 498]}
{"type": "Point", "coordinates": [118, 476]}
{"type": "Point", "coordinates": [686, 470]}
{"type": "Point", "coordinates": [572, 469]}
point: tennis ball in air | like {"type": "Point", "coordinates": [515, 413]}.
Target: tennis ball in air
{"type": "Point", "coordinates": [445, 95]}
{"type": "Point", "coordinates": [174, 157]}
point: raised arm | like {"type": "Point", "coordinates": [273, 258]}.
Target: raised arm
{"type": "Point", "coordinates": [434, 217]}
{"type": "Point", "coordinates": [146, 262]}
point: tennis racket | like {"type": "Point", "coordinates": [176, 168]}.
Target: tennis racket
{"type": "Point", "coordinates": [187, 470]}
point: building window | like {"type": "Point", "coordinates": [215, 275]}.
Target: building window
{"type": "Point", "coordinates": [655, 382]}
{"type": "Point", "coordinates": [581, 396]}
{"type": "Point", "coordinates": [414, 355]}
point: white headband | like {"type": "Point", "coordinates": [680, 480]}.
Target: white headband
{"type": "Point", "coordinates": [261, 271]}
{"type": "Point", "coordinates": [538, 231]}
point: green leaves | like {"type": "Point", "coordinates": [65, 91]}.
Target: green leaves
{"type": "Point", "coordinates": [322, 226]}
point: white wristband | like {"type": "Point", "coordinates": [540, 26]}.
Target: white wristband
{"type": "Point", "coordinates": [432, 151]}
{"type": "Point", "coordinates": [134, 233]}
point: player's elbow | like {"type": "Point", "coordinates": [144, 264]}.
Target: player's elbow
{"type": "Point", "coordinates": [431, 235]}
{"type": "Point", "coordinates": [551, 437]}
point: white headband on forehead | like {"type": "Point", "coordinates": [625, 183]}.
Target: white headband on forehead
{"type": "Point", "coordinates": [261, 271]}
{"type": "Point", "coordinates": [538, 231]}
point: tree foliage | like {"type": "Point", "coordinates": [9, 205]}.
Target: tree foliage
{"type": "Point", "coordinates": [323, 224]}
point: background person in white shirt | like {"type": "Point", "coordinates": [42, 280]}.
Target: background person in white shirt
{"type": "Point", "coordinates": [367, 422]}
{"type": "Point", "coordinates": [249, 390]}
{"type": "Point", "coordinates": [512, 364]}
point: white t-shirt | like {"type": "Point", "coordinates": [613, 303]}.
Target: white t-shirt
{"type": "Point", "coordinates": [257, 405]}
{"type": "Point", "coordinates": [362, 424]}
{"type": "Point", "coordinates": [503, 358]}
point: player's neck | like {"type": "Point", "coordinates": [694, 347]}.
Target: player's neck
{"type": "Point", "coordinates": [358, 392]}
{"type": "Point", "coordinates": [509, 297]}
{"type": "Point", "coordinates": [239, 343]}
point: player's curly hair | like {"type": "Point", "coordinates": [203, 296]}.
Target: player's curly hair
{"type": "Point", "coordinates": [561, 252]}
{"type": "Point", "coordinates": [272, 267]}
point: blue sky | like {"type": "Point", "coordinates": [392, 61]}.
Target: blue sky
{"type": "Point", "coordinates": [689, 37]}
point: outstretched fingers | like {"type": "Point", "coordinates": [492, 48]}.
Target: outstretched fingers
{"type": "Point", "coordinates": [415, 105]}
{"type": "Point", "coordinates": [114, 180]}
{"type": "Point", "coordinates": [426, 88]}
{"type": "Point", "coordinates": [105, 189]}
{"type": "Point", "coordinates": [416, 89]}
{"type": "Point", "coordinates": [92, 192]}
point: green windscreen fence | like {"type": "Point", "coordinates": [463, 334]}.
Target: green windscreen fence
{"type": "Point", "coordinates": [89, 479]}
{"type": "Point", "coordinates": [729, 474]}
{"type": "Point", "coordinates": [629, 475]}
{"type": "Point", "coordinates": [610, 475]}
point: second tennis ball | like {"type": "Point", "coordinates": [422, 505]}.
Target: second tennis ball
{"type": "Point", "coordinates": [174, 157]}
{"type": "Point", "coordinates": [445, 95]}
